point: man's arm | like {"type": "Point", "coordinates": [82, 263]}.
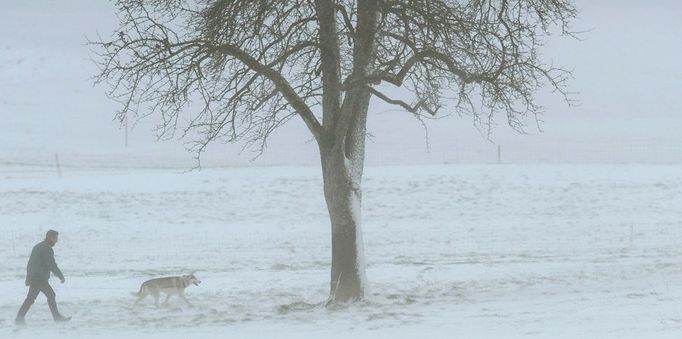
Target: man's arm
{"type": "Point", "coordinates": [52, 264]}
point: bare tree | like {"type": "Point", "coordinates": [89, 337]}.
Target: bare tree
{"type": "Point", "coordinates": [254, 64]}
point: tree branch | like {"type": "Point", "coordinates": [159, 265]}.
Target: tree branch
{"type": "Point", "coordinates": [282, 85]}
{"type": "Point", "coordinates": [330, 61]}
{"type": "Point", "coordinates": [412, 109]}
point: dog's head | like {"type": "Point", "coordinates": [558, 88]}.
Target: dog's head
{"type": "Point", "coordinates": [192, 279]}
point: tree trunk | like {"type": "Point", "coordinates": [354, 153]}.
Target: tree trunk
{"type": "Point", "coordinates": [342, 147]}
{"type": "Point", "coordinates": [343, 195]}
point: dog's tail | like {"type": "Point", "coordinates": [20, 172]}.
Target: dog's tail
{"type": "Point", "coordinates": [138, 293]}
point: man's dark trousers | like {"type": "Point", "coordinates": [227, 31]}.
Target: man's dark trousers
{"type": "Point", "coordinates": [34, 289]}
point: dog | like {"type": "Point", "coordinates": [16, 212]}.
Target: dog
{"type": "Point", "coordinates": [167, 285]}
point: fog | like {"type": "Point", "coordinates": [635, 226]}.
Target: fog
{"type": "Point", "coordinates": [570, 229]}
{"type": "Point", "coordinates": [624, 62]}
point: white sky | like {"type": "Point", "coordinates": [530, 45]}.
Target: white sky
{"type": "Point", "coordinates": [627, 72]}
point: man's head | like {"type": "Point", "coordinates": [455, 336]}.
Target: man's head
{"type": "Point", "coordinates": [52, 237]}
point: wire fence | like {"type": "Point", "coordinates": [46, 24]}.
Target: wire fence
{"type": "Point", "coordinates": [521, 151]}
{"type": "Point", "coordinates": [535, 152]}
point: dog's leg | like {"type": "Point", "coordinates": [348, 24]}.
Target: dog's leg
{"type": "Point", "coordinates": [167, 298]}
{"type": "Point", "coordinates": [142, 295]}
{"type": "Point", "coordinates": [156, 297]}
{"type": "Point", "coordinates": [138, 301]}
{"type": "Point", "coordinates": [182, 296]}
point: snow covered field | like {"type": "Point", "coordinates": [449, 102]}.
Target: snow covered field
{"type": "Point", "coordinates": [458, 251]}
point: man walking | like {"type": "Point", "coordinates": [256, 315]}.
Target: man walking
{"type": "Point", "coordinates": [38, 271]}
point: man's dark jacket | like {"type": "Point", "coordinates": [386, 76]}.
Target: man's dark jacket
{"type": "Point", "coordinates": [42, 263]}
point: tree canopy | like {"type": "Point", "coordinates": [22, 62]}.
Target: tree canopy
{"type": "Point", "coordinates": [237, 70]}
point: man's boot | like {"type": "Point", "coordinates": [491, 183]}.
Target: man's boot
{"type": "Point", "coordinates": [22, 312]}
{"type": "Point", "coordinates": [62, 319]}
{"type": "Point", "coordinates": [52, 303]}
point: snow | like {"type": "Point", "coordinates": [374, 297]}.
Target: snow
{"type": "Point", "coordinates": [554, 250]}
{"type": "Point", "coordinates": [463, 251]}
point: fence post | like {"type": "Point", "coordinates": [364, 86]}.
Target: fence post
{"type": "Point", "coordinates": [126, 131]}
{"type": "Point", "coordinates": [14, 246]}
{"type": "Point", "coordinates": [499, 153]}
{"type": "Point", "coordinates": [59, 167]}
